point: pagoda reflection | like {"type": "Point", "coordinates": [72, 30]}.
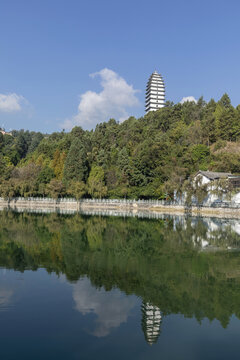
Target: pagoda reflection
{"type": "Point", "coordinates": [151, 322]}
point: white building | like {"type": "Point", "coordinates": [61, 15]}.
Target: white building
{"type": "Point", "coordinates": [2, 131]}
{"type": "Point", "coordinates": [211, 179]}
{"type": "Point", "coordinates": [206, 177]}
{"type": "Point", "coordinates": [155, 92]}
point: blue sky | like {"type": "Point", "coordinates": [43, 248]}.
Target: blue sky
{"type": "Point", "coordinates": [48, 49]}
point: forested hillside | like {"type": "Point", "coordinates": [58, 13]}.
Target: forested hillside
{"type": "Point", "coordinates": [139, 158]}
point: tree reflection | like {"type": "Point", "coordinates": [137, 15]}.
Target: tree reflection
{"type": "Point", "coordinates": [188, 266]}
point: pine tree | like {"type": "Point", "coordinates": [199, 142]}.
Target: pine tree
{"type": "Point", "coordinates": [76, 164]}
{"type": "Point", "coordinates": [225, 101]}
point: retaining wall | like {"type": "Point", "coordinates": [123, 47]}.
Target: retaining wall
{"type": "Point", "coordinates": [111, 206]}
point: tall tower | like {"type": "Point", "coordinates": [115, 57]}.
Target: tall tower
{"type": "Point", "coordinates": [155, 92]}
{"type": "Point", "coordinates": [151, 322]}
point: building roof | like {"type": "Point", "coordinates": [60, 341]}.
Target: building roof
{"type": "Point", "coordinates": [5, 133]}
{"type": "Point", "coordinates": [211, 175]}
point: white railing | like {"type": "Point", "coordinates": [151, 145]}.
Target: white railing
{"type": "Point", "coordinates": [92, 201]}
{"type": "Point", "coordinates": [122, 201]}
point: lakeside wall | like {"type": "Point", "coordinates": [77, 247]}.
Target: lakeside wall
{"type": "Point", "coordinates": [73, 204]}
{"type": "Point", "coordinates": [121, 207]}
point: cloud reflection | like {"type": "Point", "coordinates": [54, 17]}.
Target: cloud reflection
{"type": "Point", "coordinates": [111, 308]}
{"type": "Point", "coordinates": [5, 298]}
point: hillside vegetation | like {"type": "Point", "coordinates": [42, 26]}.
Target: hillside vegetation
{"type": "Point", "coordinates": [147, 157]}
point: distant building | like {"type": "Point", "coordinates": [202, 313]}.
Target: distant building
{"type": "Point", "coordinates": [207, 177]}
{"type": "Point", "coordinates": [151, 322]}
{"type": "Point", "coordinates": [155, 92]}
{"type": "Point", "coordinates": [5, 133]}
{"type": "Point", "coordinates": [219, 187]}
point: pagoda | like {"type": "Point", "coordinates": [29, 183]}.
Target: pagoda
{"type": "Point", "coordinates": [155, 92]}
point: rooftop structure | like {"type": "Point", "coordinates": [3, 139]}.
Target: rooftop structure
{"type": "Point", "coordinates": [155, 92]}
{"type": "Point", "coordinates": [211, 176]}
{"type": "Point", "coordinates": [4, 132]}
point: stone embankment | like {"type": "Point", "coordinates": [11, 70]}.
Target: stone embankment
{"type": "Point", "coordinates": [72, 205]}
{"type": "Point", "coordinates": [149, 208]}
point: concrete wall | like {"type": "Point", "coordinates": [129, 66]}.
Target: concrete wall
{"type": "Point", "coordinates": [112, 207]}
{"type": "Point", "coordinates": [72, 204]}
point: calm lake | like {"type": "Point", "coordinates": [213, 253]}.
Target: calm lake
{"type": "Point", "coordinates": [95, 287]}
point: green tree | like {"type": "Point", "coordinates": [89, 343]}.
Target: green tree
{"type": "Point", "coordinates": [76, 164]}
{"type": "Point", "coordinates": [225, 101]}
{"type": "Point", "coordinates": [200, 154]}
{"type": "Point", "coordinates": [77, 189]}
{"type": "Point", "coordinates": [96, 185]}
{"type": "Point", "coordinates": [45, 175]}
{"type": "Point", "coordinates": [55, 189]}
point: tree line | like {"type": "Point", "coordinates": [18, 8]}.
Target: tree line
{"type": "Point", "coordinates": [149, 157]}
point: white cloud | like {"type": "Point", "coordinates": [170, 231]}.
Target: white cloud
{"type": "Point", "coordinates": [111, 308]}
{"type": "Point", "coordinates": [11, 102]}
{"type": "Point", "coordinates": [188, 98]}
{"type": "Point", "coordinates": [116, 97]}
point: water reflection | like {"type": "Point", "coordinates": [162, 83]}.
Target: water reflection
{"type": "Point", "coordinates": [151, 322]}
{"type": "Point", "coordinates": [176, 265]}
{"type": "Point", "coordinates": [5, 298]}
{"type": "Point", "coordinates": [6, 291]}
{"type": "Point", "coordinates": [112, 309]}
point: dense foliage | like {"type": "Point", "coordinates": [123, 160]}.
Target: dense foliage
{"type": "Point", "coordinates": [139, 158]}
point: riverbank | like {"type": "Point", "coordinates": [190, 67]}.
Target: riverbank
{"type": "Point", "coordinates": [113, 207]}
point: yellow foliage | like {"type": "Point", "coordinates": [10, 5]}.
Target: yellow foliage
{"type": "Point", "coordinates": [57, 164]}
